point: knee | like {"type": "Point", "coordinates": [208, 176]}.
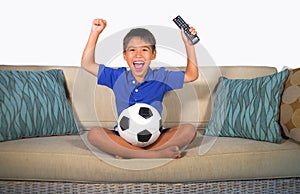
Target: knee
{"type": "Point", "coordinates": [189, 129]}
{"type": "Point", "coordinates": [93, 134]}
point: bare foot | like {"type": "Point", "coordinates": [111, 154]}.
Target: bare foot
{"type": "Point", "coordinates": [170, 152]}
{"type": "Point", "coordinates": [118, 157]}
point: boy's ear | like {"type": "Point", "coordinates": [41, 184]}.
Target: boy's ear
{"type": "Point", "coordinates": [154, 55]}
{"type": "Point", "coordinates": [124, 56]}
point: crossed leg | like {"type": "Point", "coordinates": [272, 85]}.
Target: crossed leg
{"type": "Point", "coordinates": [168, 145]}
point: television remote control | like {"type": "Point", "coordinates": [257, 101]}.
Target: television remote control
{"type": "Point", "coordinates": [182, 24]}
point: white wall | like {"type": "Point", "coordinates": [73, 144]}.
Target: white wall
{"type": "Point", "coordinates": [54, 32]}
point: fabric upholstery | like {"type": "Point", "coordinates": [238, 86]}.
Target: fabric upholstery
{"type": "Point", "coordinates": [248, 108]}
{"type": "Point", "coordinates": [290, 106]}
{"type": "Point", "coordinates": [34, 103]}
{"type": "Point", "coordinates": [67, 158]}
{"type": "Point", "coordinates": [94, 105]}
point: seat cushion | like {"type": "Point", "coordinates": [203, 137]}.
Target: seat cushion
{"type": "Point", "coordinates": [68, 158]}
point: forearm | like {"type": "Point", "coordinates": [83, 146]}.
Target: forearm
{"type": "Point", "coordinates": [191, 72]}
{"type": "Point", "coordinates": [88, 56]}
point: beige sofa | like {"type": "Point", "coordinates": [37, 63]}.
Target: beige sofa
{"type": "Point", "coordinates": [70, 159]}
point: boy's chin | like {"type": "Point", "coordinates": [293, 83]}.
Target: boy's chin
{"type": "Point", "coordinates": [139, 74]}
{"type": "Point", "coordinates": [138, 70]}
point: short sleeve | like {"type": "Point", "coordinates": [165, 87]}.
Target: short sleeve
{"type": "Point", "coordinates": [173, 79]}
{"type": "Point", "coordinates": [107, 76]}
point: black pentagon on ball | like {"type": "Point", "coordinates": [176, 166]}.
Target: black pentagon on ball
{"type": "Point", "coordinates": [144, 136]}
{"type": "Point", "coordinates": [145, 112]}
{"type": "Point", "coordinates": [124, 123]}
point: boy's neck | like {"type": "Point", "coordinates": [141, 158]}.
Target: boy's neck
{"type": "Point", "coordinates": [139, 79]}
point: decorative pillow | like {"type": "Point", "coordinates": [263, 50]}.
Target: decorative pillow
{"type": "Point", "coordinates": [248, 108]}
{"type": "Point", "coordinates": [34, 103]}
{"type": "Point", "coordinates": [290, 106]}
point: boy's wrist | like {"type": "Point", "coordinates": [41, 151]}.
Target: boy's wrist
{"type": "Point", "coordinates": [95, 33]}
{"type": "Point", "coordinates": [188, 44]}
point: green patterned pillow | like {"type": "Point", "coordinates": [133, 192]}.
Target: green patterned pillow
{"type": "Point", "coordinates": [34, 103]}
{"type": "Point", "coordinates": [248, 108]}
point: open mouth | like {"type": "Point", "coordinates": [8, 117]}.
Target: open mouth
{"type": "Point", "coordinates": [138, 65]}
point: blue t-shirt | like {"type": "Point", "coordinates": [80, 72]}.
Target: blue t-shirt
{"type": "Point", "coordinates": [151, 91]}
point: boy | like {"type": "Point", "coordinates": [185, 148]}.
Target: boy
{"type": "Point", "coordinates": [140, 84]}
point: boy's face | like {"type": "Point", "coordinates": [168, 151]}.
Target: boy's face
{"type": "Point", "coordinates": [138, 56]}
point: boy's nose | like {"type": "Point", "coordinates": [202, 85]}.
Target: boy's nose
{"type": "Point", "coordinates": [138, 52]}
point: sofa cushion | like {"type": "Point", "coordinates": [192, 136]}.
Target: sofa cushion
{"type": "Point", "coordinates": [34, 103]}
{"type": "Point", "coordinates": [68, 159]}
{"type": "Point", "coordinates": [290, 106]}
{"type": "Point", "coordinates": [193, 103]}
{"type": "Point", "coordinates": [248, 108]}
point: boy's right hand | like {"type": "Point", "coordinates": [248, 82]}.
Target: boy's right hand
{"type": "Point", "coordinates": [98, 25]}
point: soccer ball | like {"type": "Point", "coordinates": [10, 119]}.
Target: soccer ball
{"type": "Point", "coordinates": [140, 124]}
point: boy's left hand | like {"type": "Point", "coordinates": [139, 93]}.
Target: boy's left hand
{"type": "Point", "coordinates": [185, 38]}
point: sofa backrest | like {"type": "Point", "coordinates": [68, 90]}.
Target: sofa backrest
{"type": "Point", "coordinates": [94, 105]}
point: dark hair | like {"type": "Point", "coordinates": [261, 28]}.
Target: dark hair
{"type": "Point", "coordinates": [143, 33]}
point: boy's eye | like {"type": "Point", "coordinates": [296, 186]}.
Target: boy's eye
{"type": "Point", "coordinates": [145, 49]}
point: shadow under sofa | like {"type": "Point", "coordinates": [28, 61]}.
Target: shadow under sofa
{"type": "Point", "coordinates": [71, 159]}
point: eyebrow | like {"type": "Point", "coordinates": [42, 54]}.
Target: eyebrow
{"type": "Point", "coordinates": [142, 46]}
